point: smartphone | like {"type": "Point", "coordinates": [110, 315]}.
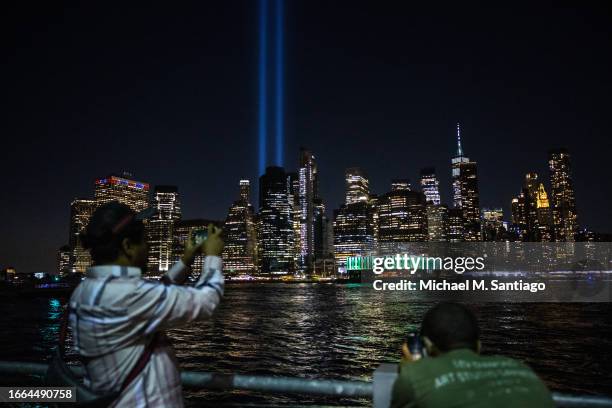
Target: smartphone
{"type": "Point", "coordinates": [200, 236]}
{"type": "Point", "coordinates": [416, 346]}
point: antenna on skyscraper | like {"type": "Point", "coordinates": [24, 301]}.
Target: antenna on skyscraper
{"type": "Point", "coordinates": [459, 149]}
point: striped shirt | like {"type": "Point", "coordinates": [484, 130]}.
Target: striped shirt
{"type": "Point", "coordinates": [115, 313]}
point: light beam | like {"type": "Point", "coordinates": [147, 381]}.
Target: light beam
{"type": "Point", "coordinates": [279, 94]}
{"type": "Point", "coordinates": [263, 91]}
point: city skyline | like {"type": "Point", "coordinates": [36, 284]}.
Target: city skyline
{"type": "Point", "coordinates": [372, 86]}
{"type": "Point", "coordinates": [290, 189]}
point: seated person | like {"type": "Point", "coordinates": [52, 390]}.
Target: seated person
{"type": "Point", "coordinates": [454, 374]}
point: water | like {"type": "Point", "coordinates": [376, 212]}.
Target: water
{"type": "Point", "coordinates": [343, 332]}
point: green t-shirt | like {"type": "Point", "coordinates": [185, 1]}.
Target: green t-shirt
{"type": "Point", "coordinates": [462, 378]}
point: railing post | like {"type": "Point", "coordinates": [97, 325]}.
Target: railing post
{"type": "Point", "coordinates": [384, 378]}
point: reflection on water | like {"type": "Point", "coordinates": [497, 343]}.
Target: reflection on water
{"type": "Point", "coordinates": [343, 332]}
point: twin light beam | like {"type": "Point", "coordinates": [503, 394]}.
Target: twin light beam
{"type": "Point", "coordinates": [264, 84]}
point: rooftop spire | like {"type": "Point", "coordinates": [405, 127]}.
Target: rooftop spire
{"type": "Point", "coordinates": [459, 149]}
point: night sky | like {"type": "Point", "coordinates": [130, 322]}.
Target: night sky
{"type": "Point", "coordinates": [170, 94]}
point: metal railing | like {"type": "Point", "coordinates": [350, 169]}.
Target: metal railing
{"type": "Point", "coordinates": [379, 390]}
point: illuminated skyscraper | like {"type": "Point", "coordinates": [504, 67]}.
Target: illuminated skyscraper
{"type": "Point", "coordinates": [64, 260]}
{"type": "Point", "coordinates": [530, 192]}
{"type": "Point", "coordinates": [456, 225]}
{"type": "Point", "coordinates": [545, 224]}
{"type": "Point", "coordinates": [402, 215]}
{"type": "Point", "coordinates": [535, 220]}
{"type": "Point", "coordinates": [160, 227]}
{"type": "Point", "coordinates": [437, 222]}
{"type": "Point", "coordinates": [493, 224]}
{"type": "Point", "coordinates": [320, 231]}
{"type": "Point", "coordinates": [565, 219]}
{"type": "Point", "coordinates": [430, 185]}
{"type": "Point", "coordinates": [80, 212]}
{"type": "Point", "coordinates": [353, 233]}
{"type": "Point", "coordinates": [308, 193]}
{"type": "Point", "coordinates": [275, 232]}
{"type": "Point", "coordinates": [465, 191]}
{"type": "Point", "coordinates": [456, 171]}
{"type": "Point", "coordinates": [400, 185]}
{"type": "Point", "coordinates": [240, 239]}
{"type": "Point", "coordinates": [135, 194]}
{"type": "Point", "coordinates": [296, 214]}
{"type": "Point", "coordinates": [373, 214]}
{"type": "Point", "coordinates": [357, 186]}
{"type": "Point", "coordinates": [245, 191]}
{"type": "Point", "coordinates": [519, 216]}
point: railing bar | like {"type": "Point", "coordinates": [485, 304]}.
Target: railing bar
{"type": "Point", "coordinates": [356, 389]}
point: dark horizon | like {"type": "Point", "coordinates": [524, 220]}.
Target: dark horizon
{"type": "Point", "coordinates": [170, 94]}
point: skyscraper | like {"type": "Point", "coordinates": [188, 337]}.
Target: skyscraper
{"type": "Point", "coordinates": [245, 191]}
{"type": "Point", "coordinates": [353, 232]}
{"type": "Point", "coordinates": [530, 192]}
{"type": "Point", "coordinates": [308, 193]}
{"type": "Point", "coordinates": [402, 215]}
{"type": "Point", "coordinates": [519, 216]}
{"type": "Point", "coordinates": [430, 185]}
{"type": "Point", "coordinates": [437, 222]}
{"type": "Point", "coordinates": [159, 229]}
{"type": "Point", "coordinates": [456, 225]}
{"type": "Point", "coordinates": [275, 232]}
{"type": "Point", "coordinates": [493, 224]}
{"type": "Point", "coordinates": [535, 220]}
{"type": "Point", "coordinates": [545, 223]}
{"type": "Point", "coordinates": [80, 212]}
{"type": "Point", "coordinates": [565, 219]}
{"type": "Point", "coordinates": [357, 186]}
{"type": "Point", "coordinates": [239, 229]}
{"type": "Point", "coordinates": [465, 191]}
{"type": "Point", "coordinates": [64, 260]}
{"type": "Point", "coordinates": [319, 230]}
{"type": "Point", "coordinates": [135, 194]}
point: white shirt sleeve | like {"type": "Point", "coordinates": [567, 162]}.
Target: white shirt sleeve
{"type": "Point", "coordinates": [166, 306]}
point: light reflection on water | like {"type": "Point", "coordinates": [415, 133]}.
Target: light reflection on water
{"type": "Point", "coordinates": [342, 332]}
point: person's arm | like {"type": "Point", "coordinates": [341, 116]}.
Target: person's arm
{"type": "Point", "coordinates": [179, 272]}
{"type": "Point", "coordinates": [163, 306]}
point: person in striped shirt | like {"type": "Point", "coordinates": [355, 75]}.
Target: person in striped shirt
{"type": "Point", "coordinates": [115, 314]}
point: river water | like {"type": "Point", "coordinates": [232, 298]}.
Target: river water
{"type": "Point", "coordinates": [342, 332]}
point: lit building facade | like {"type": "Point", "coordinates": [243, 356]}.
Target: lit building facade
{"type": "Point", "coordinates": [240, 240]}
{"type": "Point", "coordinates": [80, 213]}
{"type": "Point", "coordinates": [565, 217]}
{"type": "Point", "coordinates": [357, 186]}
{"type": "Point", "coordinates": [134, 194]}
{"type": "Point", "coordinates": [493, 228]}
{"type": "Point", "coordinates": [456, 225]}
{"type": "Point", "coordinates": [275, 230]}
{"type": "Point", "coordinates": [430, 185]}
{"type": "Point", "coordinates": [519, 217]}
{"type": "Point", "coordinates": [545, 223]}
{"type": "Point", "coordinates": [402, 215]}
{"type": "Point", "coordinates": [64, 260]}
{"type": "Point", "coordinates": [353, 232]}
{"type": "Point", "coordinates": [159, 229]}
{"type": "Point", "coordinates": [308, 194]}
{"type": "Point", "coordinates": [437, 222]}
{"type": "Point", "coordinates": [465, 191]}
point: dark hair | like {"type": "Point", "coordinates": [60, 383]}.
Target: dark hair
{"type": "Point", "coordinates": [108, 226]}
{"type": "Point", "coordinates": [451, 326]}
